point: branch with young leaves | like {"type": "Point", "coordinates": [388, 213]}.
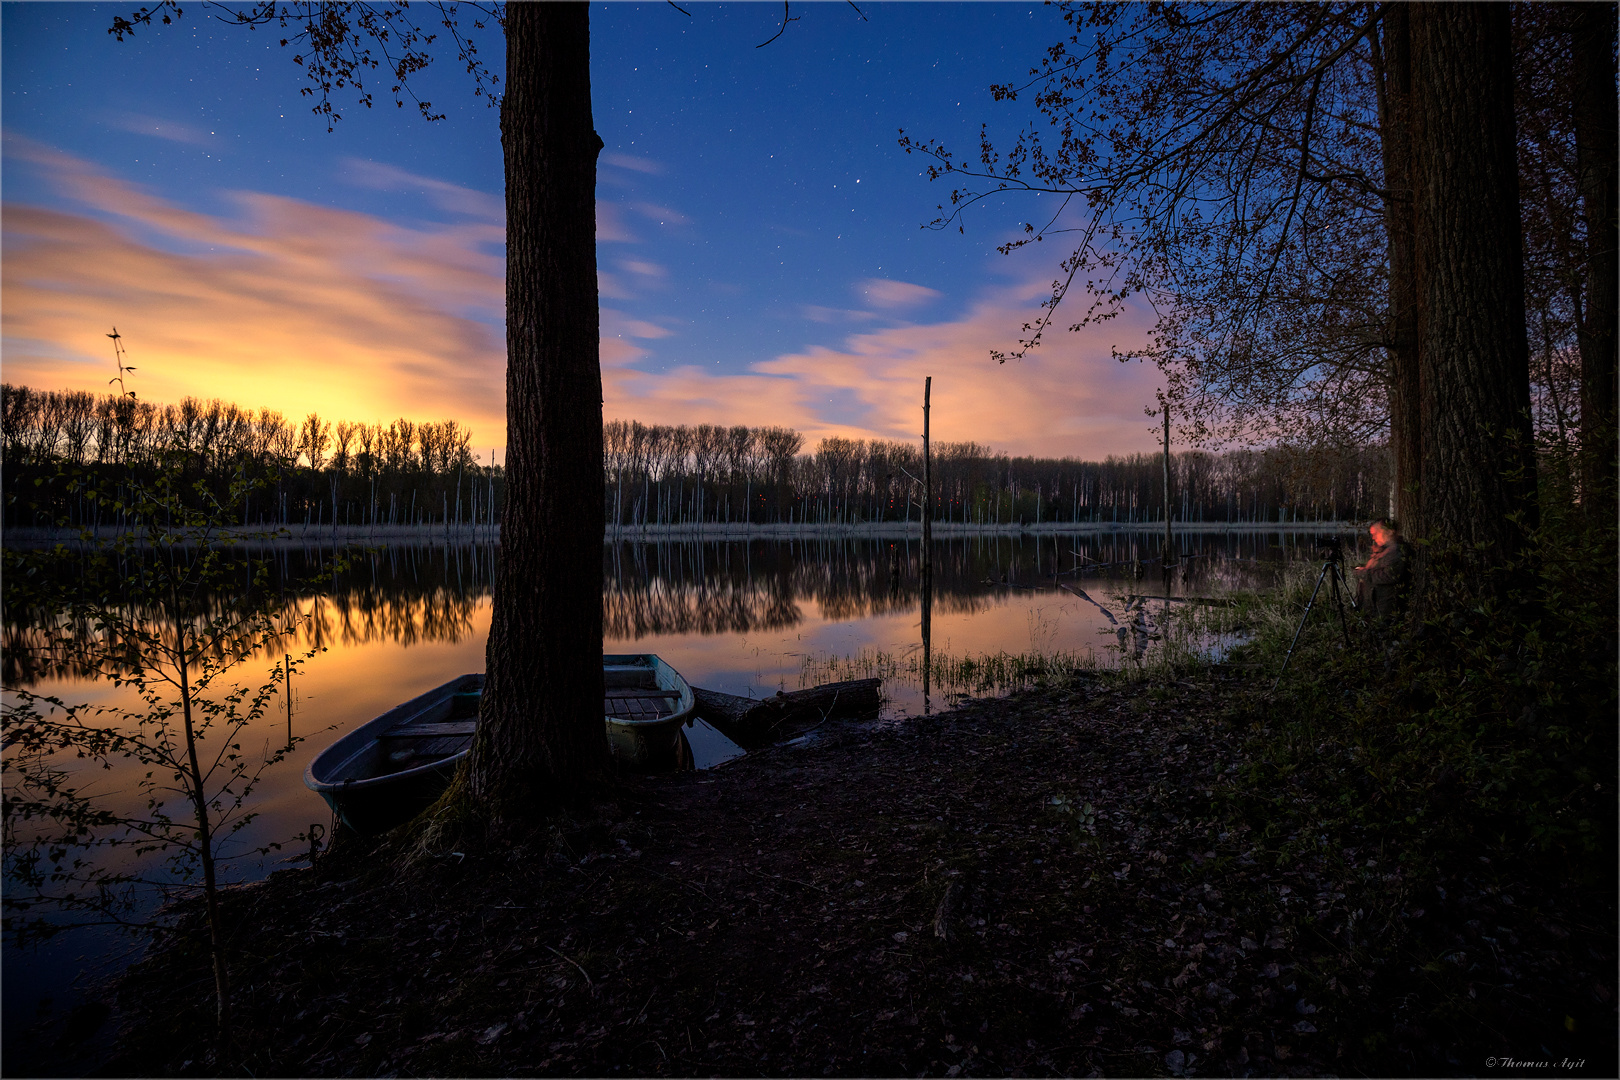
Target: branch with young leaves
{"type": "Point", "coordinates": [340, 44]}
{"type": "Point", "coordinates": [1215, 155]}
{"type": "Point", "coordinates": [93, 792]}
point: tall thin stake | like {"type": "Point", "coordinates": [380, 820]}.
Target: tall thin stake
{"type": "Point", "coordinates": [286, 674]}
{"type": "Point", "coordinates": [928, 482]}
{"type": "Point", "coordinates": [927, 553]}
{"type": "Point", "coordinates": [1167, 541]}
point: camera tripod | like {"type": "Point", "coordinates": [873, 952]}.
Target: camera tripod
{"type": "Point", "coordinates": [1333, 572]}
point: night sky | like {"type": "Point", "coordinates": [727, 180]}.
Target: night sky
{"type": "Point", "coordinates": [761, 254]}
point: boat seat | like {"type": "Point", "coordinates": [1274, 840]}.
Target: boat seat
{"type": "Point", "coordinates": [424, 731]}
{"type": "Point", "coordinates": [632, 692]}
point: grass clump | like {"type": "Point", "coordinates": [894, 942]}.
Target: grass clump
{"type": "Point", "coordinates": [990, 673]}
{"type": "Point", "coordinates": [1455, 767]}
{"type": "Point", "coordinates": [1486, 721]}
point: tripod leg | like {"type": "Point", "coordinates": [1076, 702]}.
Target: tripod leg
{"type": "Point", "coordinates": [1338, 576]}
{"type": "Point", "coordinates": [1309, 604]}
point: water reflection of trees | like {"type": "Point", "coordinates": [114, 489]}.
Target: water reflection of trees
{"type": "Point", "coordinates": [401, 595]}
{"type": "Point", "coordinates": [411, 595]}
{"type": "Point", "coordinates": [742, 587]}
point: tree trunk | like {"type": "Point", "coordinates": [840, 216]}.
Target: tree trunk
{"type": "Point", "coordinates": [753, 723]}
{"type": "Point", "coordinates": [1405, 392]}
{"type": "Point", "coordinates": [1478, 460]}
{"type": "Point", "coordinates": [540, 732]}
{"type": "Point", "coordinates": [1595, 156]}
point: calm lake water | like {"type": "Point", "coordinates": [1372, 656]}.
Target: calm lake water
{"type": "Point", "coordinates": [746, 618]}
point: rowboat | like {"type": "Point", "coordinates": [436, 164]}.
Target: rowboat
{"type": "Point", "coordinates": [388, 770]}
{"type": "Point", "coordinates": [645, 703]}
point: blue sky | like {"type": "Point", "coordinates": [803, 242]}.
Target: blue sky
{"type": "Point", "coordinates": [760, 245]}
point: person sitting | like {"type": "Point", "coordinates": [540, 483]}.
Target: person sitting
{"type": "Point", "coordinates": [1379, 579]}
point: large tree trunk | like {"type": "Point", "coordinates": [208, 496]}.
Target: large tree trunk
{"type": "Point", "coordinates": [540, 731]}
{"type": "Point", "coordinates": [1595, 155]}
{"type": "Point", "coordinates": [1478, 458]}
{"type": "Point", "coordinates": [1405, 392]}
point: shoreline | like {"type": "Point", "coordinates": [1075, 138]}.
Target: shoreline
{"type": "Point", "coordinates": [36, 536]}
{"type": "Point", "coordinates": [910, 899]}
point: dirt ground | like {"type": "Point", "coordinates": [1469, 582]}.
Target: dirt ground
{"type": "Point", "coordinates": [906, 900]}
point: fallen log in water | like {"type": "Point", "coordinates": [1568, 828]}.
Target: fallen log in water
{"type": "Point", "coordinates": [1206, 601]}
{"type": "Point", "coordinates": [755, 722]}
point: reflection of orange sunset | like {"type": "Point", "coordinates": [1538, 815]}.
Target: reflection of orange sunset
{"type": "Point", "coordinates": [374, 660]}
{"type": "Point", "coordinates": [302, 308]}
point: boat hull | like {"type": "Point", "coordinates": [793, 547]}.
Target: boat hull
{"type": "Point", "coordinates": [642, 741]}
{"type": "Point", "coordinates": [366, 791]}
{"type": "Point", "coordinates": [388, 770]}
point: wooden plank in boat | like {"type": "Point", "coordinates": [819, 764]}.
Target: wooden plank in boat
{"type": "Point", "coordinates": [624, 693]}
{"type": "Point", "coordinates": [636, 708]}
{"type": "Point", "coordinates": [417, 731]}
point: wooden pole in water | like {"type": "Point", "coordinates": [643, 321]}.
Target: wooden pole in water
{"type": "Point", "coordinates": [928, 481]}
{"type": "Point", "coordinates": [1168, 546]}
{"type": "Point", "coordinates": [927, 545]}
{"type": "Point", "coordinates": [286, 671]}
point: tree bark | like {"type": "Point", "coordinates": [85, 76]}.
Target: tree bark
{"type": "Point", "coordinates": [1405, 388]}
{"type": "Point", "coordinates": [1478, 462]}
{"type": "Point", "coordinates": [540, 733]}
{"type": "Point", "coordinates": [1595, 157]}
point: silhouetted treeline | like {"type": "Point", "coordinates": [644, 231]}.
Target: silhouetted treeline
{"type": "Point", "coordinates": [318, 472]}
{"type": "Point", "coordinates": [660, 474]}
{"type": "Point", "coordinates": [424, 473]}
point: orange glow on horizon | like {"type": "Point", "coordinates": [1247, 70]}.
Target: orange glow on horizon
{"type": "Point", "coordinates": [302, 308]}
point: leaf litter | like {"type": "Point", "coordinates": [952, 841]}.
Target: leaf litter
{"type": "Point", "coordinates": [1044, 884]}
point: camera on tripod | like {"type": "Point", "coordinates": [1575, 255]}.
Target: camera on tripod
{"type": "Point", "coordinates": [1331, 550]}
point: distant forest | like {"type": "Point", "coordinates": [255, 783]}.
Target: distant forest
{"type": "Point", "coordinates": [423, 472]}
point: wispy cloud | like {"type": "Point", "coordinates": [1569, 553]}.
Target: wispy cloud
{"type": "Point", "coordinates": [1070, 397]}
{"type": "Point", "coordinates": [610, 226]}
{"type": "Point", "coordinates": [300, 308]}
{"type": "Point", "coordinates": [453, 198]}
{"type": "Point", "coordinates": [159, 128]}
{"type": "Point", "coordinates": [608, 286]}
{"type": "Point", "coordinates": [663, 215]}
{"type": "Point", "coordinates": [634, 164]}
{"type": "Point", "coordinates": [881, 292]}
{"type": "Point", "coordinates": [618, 324]}
{"type": "Point", "coordinates": [644, 268]}
{"type": "Point", "coordinates": [291, 306]}
{"type": "Point", "coordinates": [817, 313]}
